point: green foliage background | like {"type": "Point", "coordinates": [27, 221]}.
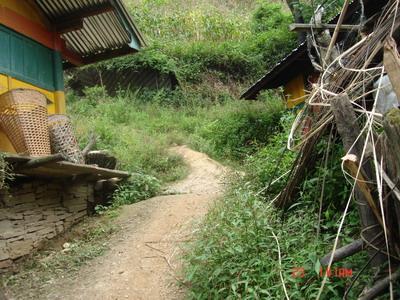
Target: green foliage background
{"type": "Point", "coordinates": [216, 49]}
{"type": "Point", "coordinates": [232, 40]}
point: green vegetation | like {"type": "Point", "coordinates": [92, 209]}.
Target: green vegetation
{"type": "Point", "coordinates": [216, 50]}
{"type": "Point", "coordinates": [235, 254]}
{"type": "Point", "coordinates": [139, 187]}
{"type": "Point", "coordinates": [199, 40]}
{"type": "Point", "coordinates": [139, 128]}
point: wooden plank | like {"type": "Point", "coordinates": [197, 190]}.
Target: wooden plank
{"type": "Point", "coordinates": [371, 221]}
{"type": "Point", "coordinates": [307, 27]}
{"type": "Point", "coordinates": [73, 21]}
{"type": "Point", "coordinates": [391, 61]}
{"type": "Point", "coordinates": [11, 157]}
{"type": "Point", "coordinates": [90, 169]}
{"type": "Point", "coordinates": [63, 168]}
{"type": "Point", "coordinates": [69, 25]}
{"type": "Point", "coordinates": [39, 161]}
{"type": "Point", "coordinates": [338, 28]}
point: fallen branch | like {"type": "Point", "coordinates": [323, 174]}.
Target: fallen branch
{"type": "Point", "coordinates": [154, 248]}
{"type": "Point", "coordinates": [380, 286]}
{"type": "Point", "coordinates": [343, 252]}
{"type": "Point", "coordinates": [90, 145]}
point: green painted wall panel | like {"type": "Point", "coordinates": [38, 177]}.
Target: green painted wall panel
{"type": "Point", "coordinates": [4, 50]}
{"type": "Point", "coordinates": [17, 55]}
{"type": "Point", "coordinates": [29, 61]}
{"type": "Point", "coordinates": [30, 68]}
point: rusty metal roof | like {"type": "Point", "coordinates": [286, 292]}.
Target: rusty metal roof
{"type": "Point", "coordinates": [93, 29]}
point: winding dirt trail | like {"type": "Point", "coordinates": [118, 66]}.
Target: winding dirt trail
{"type": "Point", "coordinates": [142, 262]}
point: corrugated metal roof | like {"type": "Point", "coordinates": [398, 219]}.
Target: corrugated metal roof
{"type": "Point", "coordinates": [102, 32]}
{"type": "Point", "coordinates": [266, 81]}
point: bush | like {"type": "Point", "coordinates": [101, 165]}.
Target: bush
{"type": "Point", "coordinates": [139, 187]}
{"type": "Point", "coordinates": [270, 16]}
{"type": "Point", "coordinates": [243, 128]}
{"type": "Point", "coordinates": [130, 130]}
{"type": "Point", "coordinates": [236, 257]}
{"type": "Point", "coordinates": [235, 254]}
{"type": "Point", "coordinates": [271, 161]}
{"type": "Point", "coordinates": [227, 59]}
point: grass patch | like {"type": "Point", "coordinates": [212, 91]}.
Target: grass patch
{"type": "Point", "coordinates": [235, 253]}
{"type": "Point", "coordinates": [139, 128]}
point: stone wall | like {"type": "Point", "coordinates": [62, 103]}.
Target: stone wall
{"type": "Point", "coordinates": [34, 211]}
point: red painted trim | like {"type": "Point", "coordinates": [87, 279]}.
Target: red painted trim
{"type": "Point", "coordinates": [38, 33]}
{"type": "Point", "coordinates": [71, 56]}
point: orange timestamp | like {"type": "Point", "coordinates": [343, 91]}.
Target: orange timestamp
{"type": "Point", "coordinates": [300, 272]}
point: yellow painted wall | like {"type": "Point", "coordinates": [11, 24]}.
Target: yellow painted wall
{"type": "Point", "coordinates": [295, 91]}
{"type": "Point", "coordinates": [56, 100]}
{"type": "Point", "coordinates": [55, 103]}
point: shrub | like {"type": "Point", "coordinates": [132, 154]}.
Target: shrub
{"type": "Point", "coordinates": [139, 187]}
{"type": "Point", "coordinates": [269, 16]}
{"type": "Point", "coordinates": [235, 253]}
{"type": "Point", "coordinates": [243, 128]}
{"type": "Point", "coordinates": [271, 161]}
{"type": "Point", "coordinates": [130, 130]}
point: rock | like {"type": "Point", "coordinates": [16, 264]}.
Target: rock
{"type": "Point", "coordinates": [20, 248]}
{"type": "Point", "coordinates": [4, 254]}
{"type": "Point", "coordinates": [4, 264]}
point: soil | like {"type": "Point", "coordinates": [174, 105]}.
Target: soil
{"type": "Point", "coordinates": [143, 262]}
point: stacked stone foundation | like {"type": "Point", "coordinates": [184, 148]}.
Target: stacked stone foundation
{"type": "Point", "coordinates": [34, 211]}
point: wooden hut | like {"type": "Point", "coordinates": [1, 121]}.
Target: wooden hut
{"type": "Point", "coordinates": [41, 38]}
{"type": "Point", "coordinates": [296, 73]}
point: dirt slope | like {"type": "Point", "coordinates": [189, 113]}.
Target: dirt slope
{"type": "Point", "coordinates": [142, 263]}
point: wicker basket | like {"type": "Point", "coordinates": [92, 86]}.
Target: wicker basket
{"type": "Point", "coordinates": [23, 117]}
{"type": "Point", "coordinates": [63, 139]}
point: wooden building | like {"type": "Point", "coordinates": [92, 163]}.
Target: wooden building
{"type": "Point", "coordinates": [41, 38]}
{"type": "Point", "coordinates": [296, 73]}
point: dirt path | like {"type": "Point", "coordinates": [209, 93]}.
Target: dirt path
{"type": "Point", "coordinates": [142, 263]}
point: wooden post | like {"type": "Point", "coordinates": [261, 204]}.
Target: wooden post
{"type": "Point", "coordinates": [391, 145]}
{"type": "Point", "coordinates": [391, 61]}
{"type": "Point", "coordinates": [307, 27]}
{"type": "Point", "coordinates": [349, 130]}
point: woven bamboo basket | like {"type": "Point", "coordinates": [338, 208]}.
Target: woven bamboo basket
{"type": "Point", "coordinates": [63, 139]}
{"type": "Point", "coordinates": [23, 118]}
